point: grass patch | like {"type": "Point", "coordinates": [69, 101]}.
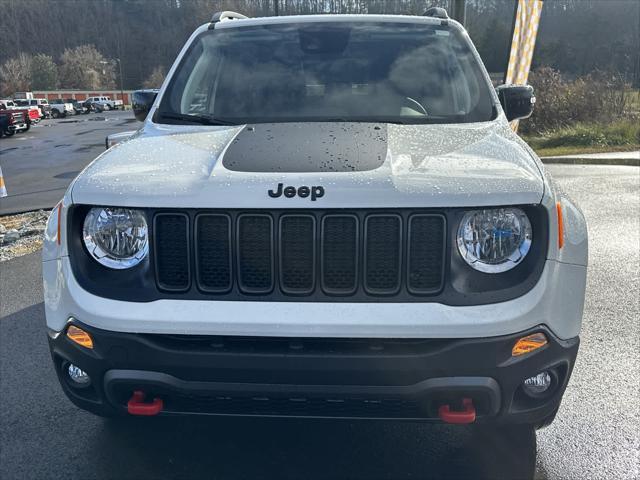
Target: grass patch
{"type": "Point", "coordinates": [633, 100]}
{"type": "Point", "coordinates": [619, 136]}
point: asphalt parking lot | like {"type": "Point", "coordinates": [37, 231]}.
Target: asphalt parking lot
{"type": "Point", "coordinates": [38, 165]}
{"type": "Point", "coordinates": [595, 434]}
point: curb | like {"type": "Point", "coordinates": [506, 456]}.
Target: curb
{"type": "Point", "coordinates": [632, 162]}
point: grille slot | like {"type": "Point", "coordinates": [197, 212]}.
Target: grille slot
{"type": "Point", "coordinates": [425, 253]}
{"type": "Point", "coordinates": [383, 254]}
{"type": "Point", "coordinates": [255, 253]}
{"type": "Point", "coordinates": [213, 252]}
{"type": "Point", "coordinates": [339, 254]}
{"type": "Point", "coordinates": [297, 254]}
{"type": "Point", "coordinates": [172, 251]}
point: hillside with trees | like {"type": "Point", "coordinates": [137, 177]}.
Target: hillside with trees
{"type": "Point", "coordinates": [76, 44]}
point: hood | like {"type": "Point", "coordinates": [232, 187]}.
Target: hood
{"type": "Point", "coordinates": [357, 165]}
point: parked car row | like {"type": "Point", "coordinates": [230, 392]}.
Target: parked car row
{"type": "Point", "coordinates": [19, 113]}
{"type": "Point", "coordinates": [60, 107]}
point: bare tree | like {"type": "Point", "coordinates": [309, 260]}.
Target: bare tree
{"type": "Point", "coordinates": [84, 67]}
{"type": "Point", "coordinates": [156, 78]}
{"type": "Point", "coordinates": [15, 74]}
{"type": "Point", "coordinates": [575, 37]}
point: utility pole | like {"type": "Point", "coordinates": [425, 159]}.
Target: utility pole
{"type": "Point", "coordinates": [276, 7]}
{"type": "Point", "coordinates": [121, 82]}
{"type": "Point", "coordinates": [458, 10]}
{"type": "Point", "coordinates": [119, 59]}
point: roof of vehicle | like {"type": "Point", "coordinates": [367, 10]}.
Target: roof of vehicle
{"type": "Point", "coordinates": [234, 23]}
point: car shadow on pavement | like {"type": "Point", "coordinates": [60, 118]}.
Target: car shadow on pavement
{"type": "Point", "coordinates": [45, 436]}
{"type": "Point", "coordinates": [235, 448]}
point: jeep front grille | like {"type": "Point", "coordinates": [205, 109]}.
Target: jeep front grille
{"type": "Point", "coordinates": [315, 254]}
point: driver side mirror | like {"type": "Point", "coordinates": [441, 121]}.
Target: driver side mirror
{"type": "Point", "coordinates": [517, 101]}
{"type": "Point", "coordinates": [142, 101]}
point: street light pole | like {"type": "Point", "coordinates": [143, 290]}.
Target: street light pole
{"type": "Point", "coordinates": [459, 10]}
{"type": "Point", "coordinates": [121, 82]}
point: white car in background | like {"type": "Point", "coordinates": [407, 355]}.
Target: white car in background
{"type": "Point", "coordinates": [105, 103]}
{"type": "Point", "coordinates": [60, 108]}
{"type": "Point", "coordinates": [40, 103]}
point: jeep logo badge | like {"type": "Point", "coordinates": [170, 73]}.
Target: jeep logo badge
{"type": "Point", "coordinates": [303, 192]}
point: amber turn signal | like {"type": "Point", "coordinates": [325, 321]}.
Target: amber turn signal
{"type": "Point", "coordinates": [529, 344]}
{"type": "Point", "coordinates": [79, 336]}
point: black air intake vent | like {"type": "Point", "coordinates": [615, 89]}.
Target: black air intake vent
{"type": "Point", "coordinates": [255, 253]}
{"type": "Point", "coordinates": [171, 249]}
{"type": "Point", "coordinates": [297, 253]}
{"type": "Point", "coordinates": [213, 250]}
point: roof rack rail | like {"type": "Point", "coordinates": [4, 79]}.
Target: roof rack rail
{"type": "Point", "coordinates": [436, 12]}
{"type": "Point", "coordinates": [225, 15]}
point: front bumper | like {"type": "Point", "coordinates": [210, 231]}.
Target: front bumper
{"type": "Point", "coordinates": [17, 127]}
{"type": "Point", "coordinates": [315, 377]}
{"type": "Point", "coordinates": [556, 301]}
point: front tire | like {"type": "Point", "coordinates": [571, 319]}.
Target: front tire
{"type": "Point", "coordinates": [55, 114]}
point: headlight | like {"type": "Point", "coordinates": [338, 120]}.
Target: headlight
{"type": "Point", "coordinates": [116, 237]}
{"type": "Point", "coordinates": [494, 240]}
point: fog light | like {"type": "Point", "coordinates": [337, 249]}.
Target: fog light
{"type": "Point", "coordinates": [77, 375]}
{"type": "Point", "coordinates": [538, 384]}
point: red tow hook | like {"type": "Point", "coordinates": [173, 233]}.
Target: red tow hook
{"type": "Point", "coordinates": [468, 415]}
{"type": "Point", "coordinates": [137, 406]}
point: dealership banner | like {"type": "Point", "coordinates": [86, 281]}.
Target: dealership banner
{"type": "Point", "coordinates": [525, 30]}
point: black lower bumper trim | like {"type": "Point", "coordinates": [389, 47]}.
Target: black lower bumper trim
{"type": "Point", "coordinates": [306, 377]}
{"type": "Point", "coordinates": [416, 401]}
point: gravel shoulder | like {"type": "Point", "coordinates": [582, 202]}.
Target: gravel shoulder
{"type": "Point", "coordinates": [21, 234]}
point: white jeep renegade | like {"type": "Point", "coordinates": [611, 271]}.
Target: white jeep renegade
{"type": "Point", "coordinates": [322, 216]}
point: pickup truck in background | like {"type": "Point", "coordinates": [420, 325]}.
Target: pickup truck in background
{"type": "Point", "coordinates": [32, 114]}
{"type": "Point", "coordinates": [60, 108]}
{"type": "Point", "coordinates": [40, 103]}
{"type": "Point", "coordinates": [12, 121]}
{"type": "Point", "coordinates": [78, 106]}
{"type": "Point", "coordinates": [106, 103]}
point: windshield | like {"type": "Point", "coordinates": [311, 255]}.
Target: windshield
{"type": "Point", "coordinates": [390, 72]}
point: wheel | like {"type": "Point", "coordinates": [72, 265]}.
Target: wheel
{"type": "Point", "coordinates": [9, 133]}
{"type": "Point", "coordinates": [506, 451]}
{"type": "Point", "coordinates": [108, 107]}
{"type": "Point", "coordinates": [55, 114]}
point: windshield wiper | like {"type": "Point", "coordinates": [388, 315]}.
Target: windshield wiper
{"type": "Point", "coordinates": [199, 119]}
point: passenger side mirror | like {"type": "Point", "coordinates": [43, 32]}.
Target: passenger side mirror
{"type": "Point", "coordinates": [517, 101]}
{"type": "Point", "coordinates": [116, 138]}
{"type": "Point", "coordinates": [141, 102]}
